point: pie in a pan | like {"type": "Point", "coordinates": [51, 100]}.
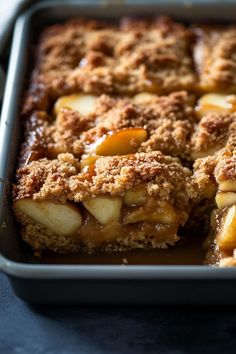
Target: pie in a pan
{"type": "Point", "coordinates": [130, 132]}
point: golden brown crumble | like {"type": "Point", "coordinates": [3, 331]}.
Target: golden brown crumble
{"type": "Point", "coordinates": [61, 179]}
{"type": "Point", "coordinates": [204, 171]}
{"type": "Point", "coordinates": [214, 131]}
{"type": "Point", "coordinates": [123, 58]}
{"type": "Point", "coordinates": [46, 177]}
{"type": "Point", "coordinates": [216, 169]}
{"type": "Point", "coordinates": [226, 166]}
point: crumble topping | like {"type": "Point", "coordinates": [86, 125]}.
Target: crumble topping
{"type": "Point", "coordinates": [61, 179]}
{"type": "Point", "coordinates": [46, 178]}
{"type": "Point", "coordinates": [226, 166]}
{"type": "Point", "coordinates": [126, 57]}
{"type": "Point", "coordinates": [215, 53]}
{"type": "Point", "coordinates": [215, 131]}
{"type": "Point", "coordinates": [217, 168]}
{"type": "Point", "coordinates": [168, 120]}
{"type": "Point", "coordinates": [204, 171]}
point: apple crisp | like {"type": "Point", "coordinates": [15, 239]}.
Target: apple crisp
{"type": "Point", "coordinates": [129, 138]}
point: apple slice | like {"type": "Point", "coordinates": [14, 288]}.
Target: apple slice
{"type": "Point", "coordinates": [135, 196]}
{"type": "Point", "coordinates": [216, 102]}
{"type": "Point", "coordinates": [82, 103]}
{"type": "Point", "coordinates": [226, 238]}
{"type": "Point", "coordinates": [143, 97]}
{"type": "Point", "coordinates": [224, 199]}
{"type": "Point", "coordinates": [62, 219]}
{"type": "Point", "coordinates": [227, 262]}
{"type": "Point", "coordinates": [105, 209]}
{"type": "Point", "coordinates": [88, 161]}
{"type": "Point", "coordinates": [123, 142]}
{"type": "Point", "coordinates": [228, 186]}
{"type": "Point", "coordinates": [162, 214]}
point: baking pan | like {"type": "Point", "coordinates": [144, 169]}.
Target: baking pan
{"type": "Point", "coordinates": [90, 281]}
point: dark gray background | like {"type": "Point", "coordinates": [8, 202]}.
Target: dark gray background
{"type": "Point", "coordinates": [26, 329]}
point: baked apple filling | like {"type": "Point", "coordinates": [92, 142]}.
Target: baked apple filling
{"type": "Point", "coordinates": [82, 103]}
{"type": "Point", "coordinates": [108, 215]}
{"type": "Point", "coordinates": [226, 235]}
{"type": "Point", "coordinates": [86, 103]}
{"type": "Point", "coordinates": [62, 219]}
{"type": "Point", "coordinates": [224, 199]}
{"type": "Point", "coordinates": [226, 223]}
{"type": "Point", "coordinates": [222, 249]}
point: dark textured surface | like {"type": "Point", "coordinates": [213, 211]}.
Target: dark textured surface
{"type": "Point", "coordinates": [28, 329]}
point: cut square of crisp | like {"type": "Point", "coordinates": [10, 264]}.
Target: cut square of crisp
{"type": "Point", "coordinates": [214, 132]}
{"type": "Point", "coordinates": [118, 203]}
{"type": "Point", "coordinates": [112, 126]}
{"type": "Point", "coordinates": [219, 172]}
{"type": "Point", "coordinates": [214, 55]}
{"type": "Point", "coordinates": [124, 58]}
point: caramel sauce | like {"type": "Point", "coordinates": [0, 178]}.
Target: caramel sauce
{"type": "Point", "coordinates": [187, 252]}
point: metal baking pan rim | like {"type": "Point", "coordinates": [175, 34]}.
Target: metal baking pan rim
{"type": "Point", "coordinates": [28, 270]}
{"type": "Point", "coordinates": [115, 272]}
{"type": "Point", "coordinates": [109, 3]}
